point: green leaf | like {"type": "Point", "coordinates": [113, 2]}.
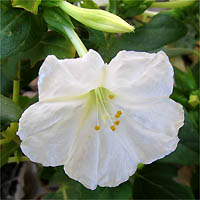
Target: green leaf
{"type": "Point", "coordinates": [157, 181]}
{"type": "Point", "coordinates": [54, 196]}
{"type": "Point", "coordinates": [27, 75]}
{"type": "Point", "coordinates": [194, 116]}
{"type": "Point", "coordinates": [124, 191]}
{"type": "Point", "coordinates": [113, 6]}
{"type": "Point", "coordinates": [6, 151]}
{"type": "Point", "coordinates": [29, 5]}
{"type": "Point", "coordinates": [33, 36]}
{"type": "Point", "coordinates": [10, 112]}
{"type": "Point", "coordinates": [9, 66]}
{"type": "Point", "coordinates": [18, 30]}
{"type": "Point", "coordinates": [185, 81]}
{"type": "Point", "coordinates": [195, 181]}
{"type": "Point", "coordinates": [50, 3]}
{"type": "Point", "coordinates": [171, 52]}
{"type": "Point", "coordinates": [25, 102]}
{"type": "Point", "coordinates": [183, 156]}
{"type": "Point", "coordinates": [6, 85]}
{"type": "Point", "coordinates": [75, 190]}
{"type": "Point", "coordinates": [134, 7]}
{"type": "Point", "coordinates": [196, 72]}
{"type": "Point", "coordinates": [52, 43]}
{"type": "Point", "coordinates": [187, 152]}
{"type": "Point", "coordinates": [178, 96]}
{"type": "Point", "coordinates": [96, 39]}
{"type": "Point", "coordinates": [57, 19]}
{"type": "Point", "coordinates": [88, 4]}
{"type": "Point", "coordinates": [189, 40]}
{"type": "Point", "coordinates": [188, 134]}
{"type": "Point", "coordinates": [165, 27]}
{"type": "Point", "coordinates": [186, 13]}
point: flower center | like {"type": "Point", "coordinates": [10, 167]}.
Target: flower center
{"type": "Point", "coordinates": [103, 101]}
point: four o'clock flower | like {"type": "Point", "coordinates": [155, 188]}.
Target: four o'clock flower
{"type": "Point", "coordinates": [101, 120]}
{"type": "Point", "coordinates": [101, 2]}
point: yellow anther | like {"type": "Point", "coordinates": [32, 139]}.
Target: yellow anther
{"type": "Point", "coordinates": [97, 127]}
{"type": "Point", "coordinates": [117, 122]}
{"type": "Point", "coordinates": [112, 128]}
{"type": "Point", "coordinates": [117, 115]}
{"type": "Point", "coordinates": [119, 112]}
{"type": "Point", "coordinates": [111, 96]}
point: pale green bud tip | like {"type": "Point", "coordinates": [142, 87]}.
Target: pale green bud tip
{"type": "Point", "coordinates": [97, 19]}
{"type": "Point", "coordinates": [194, 100]}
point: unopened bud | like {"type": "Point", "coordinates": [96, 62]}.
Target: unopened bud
{"type": "Point", "coordinates": [194, 100]}
{"type": "Point", "coordinates": [97, 19]}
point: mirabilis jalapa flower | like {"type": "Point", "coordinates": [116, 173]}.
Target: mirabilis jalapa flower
{"type": "Point", "coordinates": [101, 120]}
{"type": "Point", "coordinates": [101, 2]}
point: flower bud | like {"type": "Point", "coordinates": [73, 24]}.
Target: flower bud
{"type": "Point", "coordinates": [97, 19]}
{"type": "Point", "coordinates": [194, 100]}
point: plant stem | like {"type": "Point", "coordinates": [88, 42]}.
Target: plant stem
{"type": "Point", "coordinates": [64, 193]}
{"type": "Point", "coordinates": [21, 159]}
{"type": "Point", "coordinates": [172, 4]}
{"type": "Point", "coordinates": [76, 41]}
{"type": "Point", "coordinates": [16, 85]}
{"type": "Point", "coordinates": [10, 133]}
{"type": "Point", "coordinates": [4, 141]}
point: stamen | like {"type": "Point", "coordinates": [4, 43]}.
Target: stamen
{"type": "Point", "coordinates": [103, 110]}
{"type": "Point", "coordinates": [111, 96]}
{"type": "Point", "coordinates": [117, 122]}
{"type": "Point", "coordinates": [112, 128]}
{"type": "Point", "coordinates": [119, 112]}
{"type": "Point", "coordinates": [97, 127]}
{"type": "Point", "coordinates": [117, 116]}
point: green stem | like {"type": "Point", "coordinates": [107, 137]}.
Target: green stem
{"type": "Point", "coordinates": [64, 193]}
{"type": "Point", "coordinates": [76, 41]}
{"type": "Point", "coordinates": [10, 133]}
{"type": "Point", "coordinates": [4, 141]}
{"type": "Point", "coordinates": [172, 4]}
{"type": "Point", "coordinates": [21, 159]}
{"type": "Point", "coordinates": [16, 85]}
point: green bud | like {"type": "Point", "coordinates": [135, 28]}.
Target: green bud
{"type": "Point", "coordinates": [194, 100]}
{"type": "Point", "coordinates": [97, 19]}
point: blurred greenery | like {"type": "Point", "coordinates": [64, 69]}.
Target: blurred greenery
{"type": "Point", "coordinates": [27, 36]}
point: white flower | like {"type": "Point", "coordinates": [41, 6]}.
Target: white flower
{"type": "Point", "coordinates": [101, 2]}
{"type": "Point", "coordinates": [100, 120]}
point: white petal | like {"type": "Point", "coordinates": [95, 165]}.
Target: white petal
{"type": "Point", "coordinates": [143, 75]}
{"type": "Point", "coordinates": [101, 2]}
{"type": "Point", "coordinates": [151, 130]}
{"type": "Point", "coordinates": [69, 77]}
{"type": "Point", "coordinates": [47, 131]}
{"type": "Point", "coordinates": [83, 163]}
{"type": "Point", "coordinates": [116, 163]}
{"type": "Point", "coordinates": [95, 156]}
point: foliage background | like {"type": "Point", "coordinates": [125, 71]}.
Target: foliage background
{"type": "Point", "coordinates": [26, 40]}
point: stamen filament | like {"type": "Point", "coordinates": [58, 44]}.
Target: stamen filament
{"type": "Point", "coordinates": [102, 96]}
{"type": "Point", "coordinates": [97, 127]}
{"type": "Point", "coordinates": [103, 103]}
